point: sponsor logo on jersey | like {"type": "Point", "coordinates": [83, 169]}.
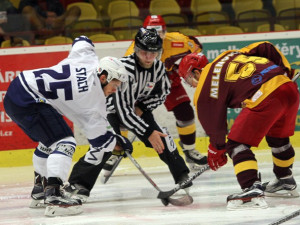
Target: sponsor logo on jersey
{"type": "Point", "coordinates": [149, 86]}
{"type": "Point", "coordinates": [177, 44]}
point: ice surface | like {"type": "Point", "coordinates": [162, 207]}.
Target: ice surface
{"type": "Point", "coordinates": [121, 201]}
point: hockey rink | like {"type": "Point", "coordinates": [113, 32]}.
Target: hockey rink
{"type": "Point", "coordinates": [123, 199]}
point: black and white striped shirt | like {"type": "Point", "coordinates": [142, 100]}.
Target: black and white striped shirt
{"type": "Point", "coordinates": [146, 88]}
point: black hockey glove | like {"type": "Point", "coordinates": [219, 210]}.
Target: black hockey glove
{"type": "Point", "coordinates": [125, 145]}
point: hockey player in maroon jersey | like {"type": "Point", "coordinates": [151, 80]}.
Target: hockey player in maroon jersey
{"type": "Point", "coordinates": [256, 78]}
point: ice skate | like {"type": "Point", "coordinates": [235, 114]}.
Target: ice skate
{"type": "Point", "coordinates": [108, 166]}
{"type": "Point", "coordinates": [59, 204]}
{"type": "Point", "coordinates": [76, 191]}
{"type": "Point", "coordinates": [194, 159]}
{"type": "Point", "coordinates": [37, 194]}
{"type": "Point", "coordinates": [250, 198]}
{"type": "Point", "coordinates": [281, 187]}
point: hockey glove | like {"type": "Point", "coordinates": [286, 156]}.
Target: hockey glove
{"type": "Point", "coordinates": [124, 145]}
{"type": "Point", "coordinates": [216, 158]}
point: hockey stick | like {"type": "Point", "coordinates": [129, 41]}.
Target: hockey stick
{"type": "Point", "coordinates": [296, 77]}
{"type": "Point", "coordinates": [167, 194]}
{"type": "Point", "coordinates": [286, 218]}
{"type": "Point", "coordinates": [183, 201]}
{"type": "Point", "coordinates": [106, 178]}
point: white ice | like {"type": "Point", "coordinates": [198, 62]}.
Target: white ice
{"type": "Point", "coordinates": [122, 201]}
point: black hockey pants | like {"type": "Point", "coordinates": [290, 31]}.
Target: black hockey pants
{"type": "Point", "coordinates": [173, 160]}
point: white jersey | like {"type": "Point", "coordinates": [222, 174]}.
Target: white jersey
{"type": "Point", "coordinates": [73, 88]}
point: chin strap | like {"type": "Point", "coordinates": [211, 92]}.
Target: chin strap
{"type": "Point", "coordinates": [103, 85]}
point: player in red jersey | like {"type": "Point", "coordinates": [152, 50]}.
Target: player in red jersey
{"type": "Point", "coordinates": [256, 78]}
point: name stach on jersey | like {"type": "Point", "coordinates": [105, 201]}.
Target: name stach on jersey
{"type": "Point", "coordinates": [81, 79]}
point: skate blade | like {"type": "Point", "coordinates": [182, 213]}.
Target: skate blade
{"type": "Point", "coordinates": [82, 198]}
{"type": "Point", "coordinates": [37, 204]}
{"type": "Point", "coordinates": [283, 194]}
{"type": "Point", "coordinates": [103, 176]}
{"type": "Point", "coordinates": [255, 203]}
{"type": "Point", "coordinates": [195, 167]}
{"type": "Point", "coordinates": [55, 210]}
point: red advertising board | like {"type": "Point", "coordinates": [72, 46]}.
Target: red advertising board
{"type": "Point", "coordinates": [11, 136]}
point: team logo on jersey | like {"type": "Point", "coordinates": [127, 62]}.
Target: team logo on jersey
{"type": "Point", "coordinates": [191, 44]}
{"type": "Point", "coordinates": [41, 100]}
{"type": "Point", "coordinates": [149, 86]}
{"type": "Point", "coordinates": [177, 44]}
{"type": "Point", "coordinates": [256, 79]}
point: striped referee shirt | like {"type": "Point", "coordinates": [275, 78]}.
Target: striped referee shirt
{"type": "Point", "coordinates": [146, 88]}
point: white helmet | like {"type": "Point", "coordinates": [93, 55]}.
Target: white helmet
{"type": "Point", "coordinates": [114, 68]}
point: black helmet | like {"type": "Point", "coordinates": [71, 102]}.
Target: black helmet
{"type": "Point", "coordinates": [148, 40]}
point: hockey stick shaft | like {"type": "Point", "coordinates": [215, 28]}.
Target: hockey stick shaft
{"type": "Point", "coordinates": [296, 77]}
{"type": "Point", "coordinates": [286, 218]}
{"type": "Point", "coordinates": [166, 194]}
{"type": "Point", "coordinates": [113, 169]}
{"type": "Point", "coordinates": [116, 164]}
{"type": "Point", "coordinates": [141, 170]}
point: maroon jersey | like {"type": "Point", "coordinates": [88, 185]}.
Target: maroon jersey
{"type": "Point", "coordinates": [235, 79]}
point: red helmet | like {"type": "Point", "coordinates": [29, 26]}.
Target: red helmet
{"type": "Point", "coordinates": [191, 62]}
{"type": "Point", "coordinates": [156, 22]}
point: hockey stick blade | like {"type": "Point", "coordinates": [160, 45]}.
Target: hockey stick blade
{"type": "Point", "coordinates": [166, 194]}
{"type": "Point", "coordinates": [182, 201]}
{"type": "Point", "coordinates": [186, 200]}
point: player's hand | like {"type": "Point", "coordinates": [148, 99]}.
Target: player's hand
{"type": "Point", "coordinates": [216, 158]}
{"type": "Point", "coordinates": [123, 144]}
{"type": "Point", "coordinates": [156, 142]}
{"type": "Point", "coordinates": [138, 111]}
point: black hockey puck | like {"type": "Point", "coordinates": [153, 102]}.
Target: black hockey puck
{"type": "Point", "coordinates": [165, 201]}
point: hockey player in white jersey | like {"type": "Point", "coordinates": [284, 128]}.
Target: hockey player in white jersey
{"type": "Point", "coordinates": [77, 88]}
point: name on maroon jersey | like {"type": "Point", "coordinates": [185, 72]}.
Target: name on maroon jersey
{"type": "Point", "coordinates": [215, 79]}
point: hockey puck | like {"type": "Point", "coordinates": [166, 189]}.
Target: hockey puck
{"type": "Point", "coordinates": [165, 201]}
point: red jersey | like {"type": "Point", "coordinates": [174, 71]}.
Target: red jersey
{"type": "Point", "coordinates": [235, 79]}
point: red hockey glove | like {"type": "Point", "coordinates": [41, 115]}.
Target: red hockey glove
{"type": "Point", "coordinates": [216, 158]}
